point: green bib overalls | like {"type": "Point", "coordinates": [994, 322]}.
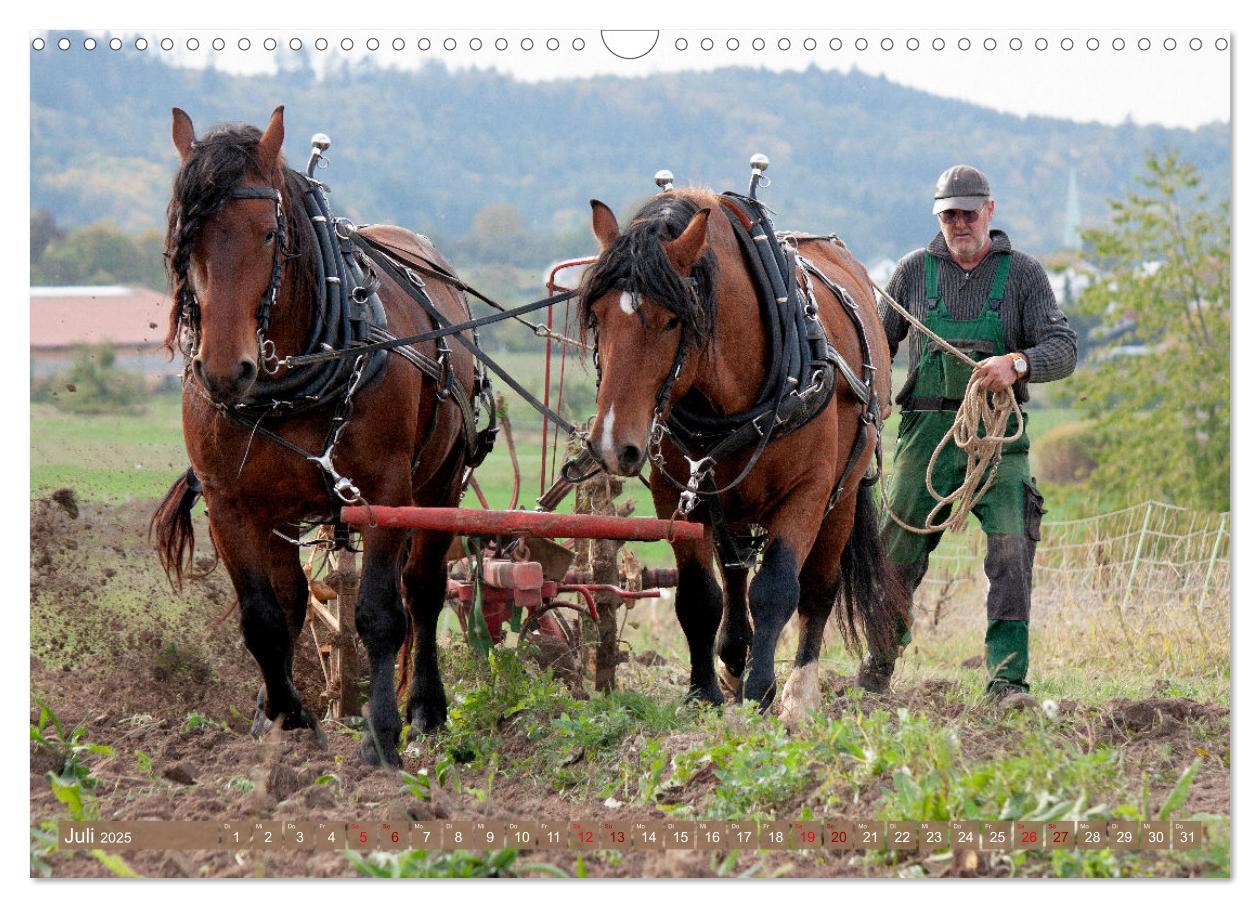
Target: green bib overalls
{"type": "Point", "coordinates": [1010, 511]}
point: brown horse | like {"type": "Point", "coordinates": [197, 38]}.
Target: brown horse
{"type": "Point", "coordinates": [672, 299]}
{"type": "Point", "coordinates": [237, 225]}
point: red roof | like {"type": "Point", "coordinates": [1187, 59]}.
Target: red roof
{"type": "Point", "coordinates": [123, 316]}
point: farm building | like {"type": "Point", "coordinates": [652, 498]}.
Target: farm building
{"type": "Point", "coordinates": [132, 320]}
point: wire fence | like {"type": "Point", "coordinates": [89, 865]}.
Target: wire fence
{"type": "Point", "coordinates": [1146, 566]}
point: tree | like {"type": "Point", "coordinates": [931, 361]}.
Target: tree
{"type": "Point", "coordinates": [101, 254]}
{"type": "Point", "coordinates": [1160, 406]}
{"type": "Point", "coordinates": [44, 231]}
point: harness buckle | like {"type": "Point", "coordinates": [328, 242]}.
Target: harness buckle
{"type": "Point", "coordinates": [267, 357]}
{"type": "Point", "coordinates": [817, 382]}
{"type": "Point", "coordinates": [656, 437]}
{"type": "Point", "coordinates": [699, 471]}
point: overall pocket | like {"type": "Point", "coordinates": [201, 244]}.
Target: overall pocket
{"type": "Point", "coordinates": [955, 373]}
{"type": "Point", "coordinates": [1034, 509]}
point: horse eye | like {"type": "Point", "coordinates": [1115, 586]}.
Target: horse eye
{"type": "Point", "coordinates": [269, 238]}
{"type": "Point", "coordinates": [672, 323]}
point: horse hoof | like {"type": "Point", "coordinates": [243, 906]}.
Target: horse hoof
{"type": "Point", "coordinates": [763, 696]}
{"type": "Point", "coordinates": [875, 675]}
{"type": "Point", "coordinates": [710, 694]}
{"type": "Point", "coordinates": [372, 755]}
{"type": "Point", "coordinates": [729, 682]}
{"type": "Point", "coordinates": [426, 720]}
{"type": "Point", "coordinates": [801, 694]}
{"type": "Point", "coordinates": [260, 724]}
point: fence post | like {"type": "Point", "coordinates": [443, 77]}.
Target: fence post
{"type": "Point", "coordinates": [1216, 548]}
{"type": "Point", "coordinates": [1137, 554]}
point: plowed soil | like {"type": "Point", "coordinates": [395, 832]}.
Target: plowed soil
{"type": "Point", "coordinates": [165, 682]}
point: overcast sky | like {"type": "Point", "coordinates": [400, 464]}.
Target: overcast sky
{"type": "Point", "coordinates": [1170, 82]}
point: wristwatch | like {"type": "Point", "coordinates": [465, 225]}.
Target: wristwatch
{"type": "Point", "coordinates": [1020, 362]}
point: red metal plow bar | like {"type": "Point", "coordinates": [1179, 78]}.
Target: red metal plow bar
{"type": "Point", "coordinates": [474, 522]}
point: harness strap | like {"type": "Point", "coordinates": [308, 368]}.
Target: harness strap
{"type": "Point", "coordinates": [931, 280]}
{"type": "Point", "coordinates": [415, 289]}
{"type": "Point", "coordinates": [932, 275]}
{"type": "Point", "coordinates": [998, 290]}
{"type": "Point", "coordinates": [456, 328]}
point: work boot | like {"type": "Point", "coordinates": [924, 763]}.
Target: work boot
{"type": "Point", "coordinates": [874, 675]}
{"type": "Point", "coordinates": [1012, 699]}
{"type": "Point", "coordinates": [1006, 657]}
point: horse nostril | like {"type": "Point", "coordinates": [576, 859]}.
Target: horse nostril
{"type": "Point", "coordinates": [197, 371]}
{"type": "Point", "coordinates": [629, 457]}
{"type": "Point", "coordinates": [246, 372]}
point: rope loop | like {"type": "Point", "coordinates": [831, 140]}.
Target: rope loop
{"type": "Point", "coordinates": [980, 409]}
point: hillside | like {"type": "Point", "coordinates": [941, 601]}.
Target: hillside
{"type": "Point", "coordinates": [430, 149]}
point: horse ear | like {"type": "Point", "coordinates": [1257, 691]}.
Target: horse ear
{"type": "Point", "coordinates": [182, 133]}
{"type": "Point", "coordinates": [603, 224]}
{"type": "Point", "coordinates": [272, 139]}
{"type": "Point", "coordinates": [684, 252]}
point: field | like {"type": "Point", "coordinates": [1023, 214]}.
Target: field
{"type": "Point", "coordinates": [140, 699]}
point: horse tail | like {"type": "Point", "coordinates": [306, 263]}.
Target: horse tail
{"type": "Point", "coordinates": [870, 594]}
{"type": "Point", "coordinates": [171, 528]}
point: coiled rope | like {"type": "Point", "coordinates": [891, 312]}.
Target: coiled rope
{"type": "Point", "coordinates": [980, 408]}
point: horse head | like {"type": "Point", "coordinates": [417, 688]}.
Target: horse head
{"type": "Point", "coordinates": [649, 300]}
{"type": "Point", "coordinates": [226, 245]}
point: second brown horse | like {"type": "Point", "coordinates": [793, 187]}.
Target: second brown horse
{"type": "Point", "coordinates": [677, 275]}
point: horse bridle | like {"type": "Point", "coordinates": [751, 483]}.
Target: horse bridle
{"type": "Point", "coordinates": [658, 429]}
{"type": "Point", "coordinates": [268, 360]}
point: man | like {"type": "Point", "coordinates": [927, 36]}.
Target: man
{"type": "Point", "coordinates": [972, 289]}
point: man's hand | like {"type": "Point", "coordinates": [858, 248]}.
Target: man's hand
{"type": "Point", "coordinates": [996, 373]}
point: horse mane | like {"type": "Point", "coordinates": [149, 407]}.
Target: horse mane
{"type": "Point", "coordinates": [636, 261]}
{"type": "Point", "coordinates": [220, 161]}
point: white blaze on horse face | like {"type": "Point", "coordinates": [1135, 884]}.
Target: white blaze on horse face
{"type": "Point", "coordinates": [630, 302]}
{"type": "Point", "coordinates": [606, 437]}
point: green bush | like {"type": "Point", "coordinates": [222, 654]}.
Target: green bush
{"type": "Point", "coordinates": [94, 384]}
{"type": "Point", "coordinates": [1066, 454]}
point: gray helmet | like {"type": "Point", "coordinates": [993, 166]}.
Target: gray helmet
{"type": "Point", "coordinates": [960, 187]}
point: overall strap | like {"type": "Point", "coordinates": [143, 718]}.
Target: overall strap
{"type": "Point", "coordinates": [931, 280]}
{"type": "Point", "coordinates": [998, 290]}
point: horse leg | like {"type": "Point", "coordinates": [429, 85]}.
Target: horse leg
{"type": "Point", "coordinates": [736, 631]}
{"type": "Point", "coordinates": [292, 591]}
{"type": "Point", "coordinates": [772, 599]}
{"type": "Point", "coordinates": [775, 591]}
{"type": "Point", "coordinates": [698, 604]}
{"type": "Point", "coordinates": [424, 579]}
{"type": "Point", "coordinates": [382, 625]}
{"type": "Point", "coordinates": [244, 544]}
{"type": "Point", "coordinates": [820, 585]}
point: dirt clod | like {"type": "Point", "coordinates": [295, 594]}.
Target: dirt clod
{"type": "Point", "coordinates": [67, 501]}
{"type": "Point", "coordinates": [178, 773]}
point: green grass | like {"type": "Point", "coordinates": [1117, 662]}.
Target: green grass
{"type": "Point", "coordinates": [107, 457]}
{"type": "Point", "coordinates": [861, 758]}
{"type": "Point", "coordinates": [136, 457]}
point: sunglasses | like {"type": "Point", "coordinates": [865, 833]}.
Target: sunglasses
{"type": "Point", "coordinates": [955, 214]}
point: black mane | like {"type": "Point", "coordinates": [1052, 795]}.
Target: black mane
{"type": "Point", "coordinates": [220, 161]}
{"type": "Point", "coordinates": [636, 262]}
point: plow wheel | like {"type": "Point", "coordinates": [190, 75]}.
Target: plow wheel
{"type": "Point", "coordinates": [558, 641]}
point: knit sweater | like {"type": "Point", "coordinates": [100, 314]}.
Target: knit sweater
{"type": "Point", "coordinates": [1032, 322]}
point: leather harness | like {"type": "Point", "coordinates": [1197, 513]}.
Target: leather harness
{"type": "Point", "coordinates": [799, 384]}
{"type": "Point", "coordinates": [348, 315]}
